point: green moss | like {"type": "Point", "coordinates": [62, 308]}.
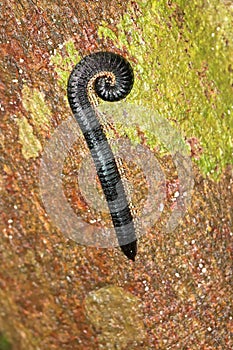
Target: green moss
{"type": "Point", "coordinates": [4, 343]}
{"type": "Point", "coordinates": [184, 69]}
{"type": "Point", "coordinates": [64, 60]}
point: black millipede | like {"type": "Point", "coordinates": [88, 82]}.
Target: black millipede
{"type": "Point", "coordinates": [111, 78]}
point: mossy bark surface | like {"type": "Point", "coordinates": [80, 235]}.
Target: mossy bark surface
{"type": "Point", "coordinates": [56, 294]}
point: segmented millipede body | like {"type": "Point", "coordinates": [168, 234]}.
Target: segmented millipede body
{"type": "Point", "coordinates": [111, 77]}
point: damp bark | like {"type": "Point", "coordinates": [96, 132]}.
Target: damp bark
{"type": "Point", "coordinates": [180, 286]}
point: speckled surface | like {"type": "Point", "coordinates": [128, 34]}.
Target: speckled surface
{"type": "Point", "coordinates": [178, 293]}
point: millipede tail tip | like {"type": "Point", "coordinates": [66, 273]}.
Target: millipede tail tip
{"type": "Point", "coordinates": [130, 250]}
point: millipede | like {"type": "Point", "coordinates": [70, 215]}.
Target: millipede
{"type": "Point", "coordinates": [110, 77]}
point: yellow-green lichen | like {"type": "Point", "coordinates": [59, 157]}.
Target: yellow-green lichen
{"type": "Point", "coordinates": [34, 103]}
{"type": "Point", "coordinates": [64, 60]}
{"type": "Point", "coordinates": [184, 70]}
{"type": "Point", "coordinates": [39, 114]}
{"type": "Point", "coordinates": [31, 146]}
{"type": "Point", "coordinates": [117, 317]}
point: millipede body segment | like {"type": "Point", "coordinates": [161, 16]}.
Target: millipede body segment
{"type": "Point", "coordinates": [111, 78]}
